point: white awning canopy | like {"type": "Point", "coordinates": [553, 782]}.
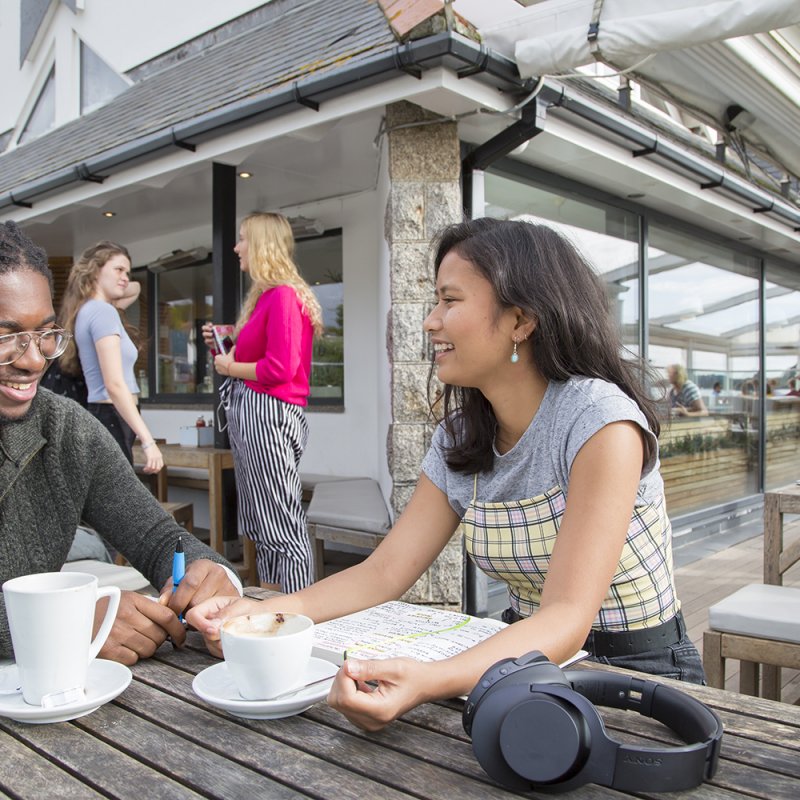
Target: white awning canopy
{"type": "Point", "coordinates": [553, 36]}
{"type": "Point", "coordinates": [705, 56]}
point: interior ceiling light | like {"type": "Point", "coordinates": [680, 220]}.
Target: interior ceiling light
{"type": "Point", "coordinates": [109, 214]}
{"type": "Point", "coordinates": [245, 174]}
{"type": "Point", "coordinates": [303, 227]}
{"type": "Point", "coordinates": [179, 258]}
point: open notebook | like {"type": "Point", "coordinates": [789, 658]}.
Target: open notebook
{"type": "Point", "coordinates": [404, 629]}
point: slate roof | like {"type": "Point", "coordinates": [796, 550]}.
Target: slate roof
{"type": "Point", "coordinates": [301, 38]}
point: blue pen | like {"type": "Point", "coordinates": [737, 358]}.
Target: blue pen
{"type": "Point", "coordinates": [178, 568]}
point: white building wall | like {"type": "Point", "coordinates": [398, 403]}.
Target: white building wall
{"type": "Point", "coordinates": [349, 442]}
{"type": "Point", "coordinates": [123, 33]}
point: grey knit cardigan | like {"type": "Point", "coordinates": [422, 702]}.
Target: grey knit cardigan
{"type": "Point", "coordinates": [59, 466]}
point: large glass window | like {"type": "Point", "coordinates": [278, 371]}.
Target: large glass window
{"type": "Point", "coordinates": [184, 302]}
{"type": "Point", "coordinates": [183, 305]}
{"type": "Point", "coordinates": [704, 313]}
{"type": "Point", "coordinates": [607, 237]}
{"type": "Point", "coordinates": [320, 262]}
{"type": "Point", "coordinates": [43, 115]}
{"type": "Point", "coordinates": [782, 370]}
{"type": "Point", "coordinates": [99, 83]}
{"type": "Point", "coordinates": [137, 316]}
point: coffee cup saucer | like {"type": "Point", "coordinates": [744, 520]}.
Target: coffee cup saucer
{"type": "Point", "coordinates": [105, 680]}
{"type": "Point", "coordinates": [215, 685]}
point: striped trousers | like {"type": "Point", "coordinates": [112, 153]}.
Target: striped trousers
{"type": "Point", "coordinates": [268, 437]}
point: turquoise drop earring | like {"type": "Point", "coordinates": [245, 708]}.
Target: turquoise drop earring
{"type": "Point", "coordinates": [515, 355]}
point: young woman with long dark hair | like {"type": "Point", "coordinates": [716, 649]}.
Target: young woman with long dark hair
{"type": "Point", "coordinates": [547, 457]}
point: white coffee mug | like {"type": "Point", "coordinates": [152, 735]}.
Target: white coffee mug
{"type": "Point", "coordinates": [51, 616]}
{"type": "Point", "coordinates": [267, 654]}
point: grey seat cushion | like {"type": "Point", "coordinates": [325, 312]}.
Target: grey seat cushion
{"type": "Point", "coordinates": [354, 504]}
{"type": "Point", "coordinates": [88, 544]}
{"type": "Point", "coordinates": [761, 610]}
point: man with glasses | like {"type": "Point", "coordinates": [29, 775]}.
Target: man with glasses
{"type": "Point", "coordinates": [59, 467]}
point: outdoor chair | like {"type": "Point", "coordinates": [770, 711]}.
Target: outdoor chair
{"type": "Point", "coordinates": [349, 512]}
{"type": "Point", "coordinates": [760, 624]}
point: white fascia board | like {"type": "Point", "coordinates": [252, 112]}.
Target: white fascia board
{"type": "Point", "coordinates": [439, 90]}
{"type": "Point", "coordinates": [583, 156]}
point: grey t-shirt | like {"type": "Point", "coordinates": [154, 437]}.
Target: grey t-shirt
{"type": "Point", "coordinates": [570, 414]}
{"type": "Point", "coordinates": [95, 320]}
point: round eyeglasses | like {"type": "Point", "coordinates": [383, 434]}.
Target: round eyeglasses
{"type": "Point", "coordinates": [50, 343]}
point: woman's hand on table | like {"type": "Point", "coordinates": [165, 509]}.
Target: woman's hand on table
{"type": "Point", "coordinates": [371, 694]}
{"type": "Point", "coordinates": [207, 617]}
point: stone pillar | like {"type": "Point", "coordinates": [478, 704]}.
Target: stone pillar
{"type": "Point", "coordinates": [424, 196]}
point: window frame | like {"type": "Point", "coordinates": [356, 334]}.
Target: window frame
{"type": "Point", "coordinates": [206, 400]}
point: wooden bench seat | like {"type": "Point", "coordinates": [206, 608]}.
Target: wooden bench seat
{"type": "Point", "coordinates": [760, 623]}
{"type": "Point", "coordinates": [348, 512]}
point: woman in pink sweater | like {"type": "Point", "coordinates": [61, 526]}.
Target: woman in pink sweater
{"type": "Point", "coordinates": [264, 396]}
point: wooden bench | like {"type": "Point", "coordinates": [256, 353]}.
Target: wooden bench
{"type": "Point", "coordinates": [365, 524]}
{"type": "Point", "coordinates": [349, 512]}
{"type": "Point", "coordinates": [760, 623]}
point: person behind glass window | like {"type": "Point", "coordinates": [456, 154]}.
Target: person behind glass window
{"type": "Point", "coordinates": [268, 375]}
{"type": "Point", "coordinates": [684, 396]}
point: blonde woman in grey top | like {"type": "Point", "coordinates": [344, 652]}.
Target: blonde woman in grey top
{"type": "Point", "coordinates": [98, 282]}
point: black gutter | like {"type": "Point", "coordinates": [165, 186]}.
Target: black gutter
{"type": "Point", "coordinates": [464, 56]}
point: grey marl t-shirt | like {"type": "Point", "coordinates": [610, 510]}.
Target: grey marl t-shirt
{"type": "Point", "coordinates": [570, 414]}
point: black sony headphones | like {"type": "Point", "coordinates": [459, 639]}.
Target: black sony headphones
{"type": "Point", "coordinates": [534, 726]}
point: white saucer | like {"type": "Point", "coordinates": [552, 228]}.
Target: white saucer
{"type": "Point", "coordinates": [215, 686]}
{"type": "Point", "coordinates": [106, 679]}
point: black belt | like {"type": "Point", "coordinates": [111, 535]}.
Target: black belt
{"type": "Point", "coordinates": [628, 643]}
{"type": "Point", "coordinates": [608, 644]}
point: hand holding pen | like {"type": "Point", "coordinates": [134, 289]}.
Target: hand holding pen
{"type": "Point", "coordinates": [178, 568]}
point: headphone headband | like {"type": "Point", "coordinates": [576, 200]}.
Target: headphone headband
{"type": "Point", "coordinates": [535, 726]}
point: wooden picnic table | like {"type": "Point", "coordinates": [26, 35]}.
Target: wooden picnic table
{"type": "Point", "coordinates": [159, 740]}
{"type": "Point", "coordinates": [213, 459]}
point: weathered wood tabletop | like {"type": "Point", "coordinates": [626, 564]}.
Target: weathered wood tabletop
{"type": "Point", "coordinates": [159, 740]}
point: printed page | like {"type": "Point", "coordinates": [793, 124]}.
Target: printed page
{"type": "Point", "coordinates": [401, 629]}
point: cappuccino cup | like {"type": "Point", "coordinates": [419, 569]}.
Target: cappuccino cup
{"type": "Point", "coordinates": [267, 654]}
{"type": "Point", "coordinates": [50, 616]}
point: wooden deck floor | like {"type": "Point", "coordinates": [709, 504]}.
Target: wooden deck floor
{"type": "Point", "coordinates": [708, 580]}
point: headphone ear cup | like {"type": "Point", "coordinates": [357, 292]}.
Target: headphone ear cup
{"type": "Point", "coordinates": [544, 739]}
{"type": "Point", "coordinates": [486, 725]}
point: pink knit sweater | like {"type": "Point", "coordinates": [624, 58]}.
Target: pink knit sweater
{"type": "Point", "coordinates": [278, 337]}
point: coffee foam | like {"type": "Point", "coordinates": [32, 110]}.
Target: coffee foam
{"type": "Point", "coordinates": [264, 625]}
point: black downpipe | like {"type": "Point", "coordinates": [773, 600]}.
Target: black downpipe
{"type": "Point", "coordinates": [530, 124]}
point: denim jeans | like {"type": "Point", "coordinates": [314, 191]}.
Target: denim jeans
{"type": "Point", "coordinates": [680, 661]}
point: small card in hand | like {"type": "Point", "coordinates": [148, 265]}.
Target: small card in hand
{"type": "Point", "coordinates": [223, 337]}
